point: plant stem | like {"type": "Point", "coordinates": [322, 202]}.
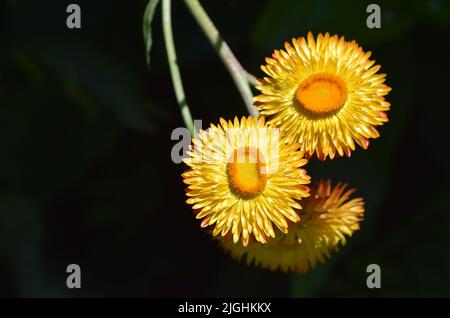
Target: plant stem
{"type": "Point", "coordinates": [239, 75]}
{"type": "Point", "coordinates": [252, 80]}
{"type": "Point", "coordinates": [173, 64]}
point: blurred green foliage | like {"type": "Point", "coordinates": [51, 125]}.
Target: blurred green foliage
{"type": "Point", "coordinates": [85, 169]}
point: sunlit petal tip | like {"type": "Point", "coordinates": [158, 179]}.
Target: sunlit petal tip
{"type": "Point", "coordinates": [204, 223]}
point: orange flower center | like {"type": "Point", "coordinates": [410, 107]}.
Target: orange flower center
{"type": "Point", "coordinates": [246, 175]}
{"type": "Point", "coordinates": [322, 93]}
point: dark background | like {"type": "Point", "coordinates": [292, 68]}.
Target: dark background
{"type": "Point", "coordinates": [86, 175]}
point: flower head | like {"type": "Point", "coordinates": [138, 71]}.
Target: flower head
{"type": "Point", "coordinates": [329, 216]}
{"type": "Point", "coordinates": [244, 178]}
{"type": "Point", "coordinates": [324, 93]}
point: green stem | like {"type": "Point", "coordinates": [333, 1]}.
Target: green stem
{"type": "Point", "coordinates": [252, 80]}
{"type": "Point", "coordinates": [239, 75]}
{"type": "Point", "coordinates": [173, 64]}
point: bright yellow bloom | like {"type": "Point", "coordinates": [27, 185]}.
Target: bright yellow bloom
{"type": "Point", "coordinates": [245, 178]}
{"type": "Point", "coordinates": [325, 94]}
{"type": "Point", "coordinates": [328, 216]}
